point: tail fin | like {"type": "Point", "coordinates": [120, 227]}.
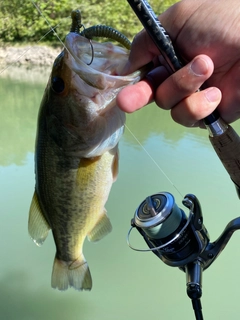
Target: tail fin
{"type": "Point", "coordinates": [74, 274]}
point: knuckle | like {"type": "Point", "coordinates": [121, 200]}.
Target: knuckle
{"type": "Point", "coordinates": [185, 83]}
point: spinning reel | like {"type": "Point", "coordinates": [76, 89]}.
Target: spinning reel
{"type": "Point", "coordinates": [180, 241]}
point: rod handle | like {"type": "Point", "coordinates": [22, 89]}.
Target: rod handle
{"type": "Point", "coordinates": [227, 147]}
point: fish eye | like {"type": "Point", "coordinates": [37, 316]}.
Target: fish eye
{"type": "Point", "coordinates": [58, 84]}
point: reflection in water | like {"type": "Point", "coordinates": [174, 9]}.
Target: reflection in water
{"type": "Point", "coordinates": [19, 106]}
{"type": "Point", "coordinates": [127, 284]}
{"type": "Point", "coordinates": [158, 123]}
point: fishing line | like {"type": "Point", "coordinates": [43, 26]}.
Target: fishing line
{"type": "Point", "coordinates": [148, 154]}
{"type": "Point", "coordinates": [54, 32]}
{"type": "Point", "coordinates": [154, 161]}
{"type": "Point", "coordinates": [23, 54]}
{"type": "Point", "coordinates": [52, 29]}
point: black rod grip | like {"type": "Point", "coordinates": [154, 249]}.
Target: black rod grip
{"type": "Point", "coordinates": [158, 34]}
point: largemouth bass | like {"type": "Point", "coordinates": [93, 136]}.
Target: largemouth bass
{"type": "Point", "coordinates": [76, 156]}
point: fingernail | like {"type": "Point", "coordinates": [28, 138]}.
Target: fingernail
{"type": "Point", "coordinates": [212, 94]}
{"type": "Point", "coordinates": [199, 67]}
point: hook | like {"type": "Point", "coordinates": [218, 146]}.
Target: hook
{"type": "Point", "coordinates": [77, 25]}
{"type": "Point", "coordinates": [90, 41]}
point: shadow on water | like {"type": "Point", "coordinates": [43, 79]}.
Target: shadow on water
{"type": "Point", "coordinates": [19, 107]}
{"type": "Point", "coordinates": [157, 122]}
{"type": "Point", "coordinates": [19, 300]}
{"type": "Point", "coordinates": [20, 101]}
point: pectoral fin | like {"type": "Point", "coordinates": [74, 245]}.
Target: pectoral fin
{"type": "Point", "coordinates": [37, 225]}
{"type": "Point", "coordinates": [101, 228]}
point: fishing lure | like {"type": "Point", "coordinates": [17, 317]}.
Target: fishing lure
{"type": "Point", "coordinates": [100, 30]}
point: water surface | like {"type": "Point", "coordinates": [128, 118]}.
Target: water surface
{"type": "Point", "coordinates": [155, 155]}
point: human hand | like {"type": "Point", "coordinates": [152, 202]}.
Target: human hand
{"type": "Point", "coordinates": [206, 34]}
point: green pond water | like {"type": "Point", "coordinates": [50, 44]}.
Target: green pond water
{"type": "Point", "coordinates": [156, 155]}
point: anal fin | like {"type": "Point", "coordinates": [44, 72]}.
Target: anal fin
{"type": "Point", "coordinates": [101, 228]}
{"type": "Point", "coordinates": [37, 225]}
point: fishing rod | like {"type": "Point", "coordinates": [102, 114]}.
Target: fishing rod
{"type": "Point", "coordinates": [223, 137]}
{"type": "Point", "coordinates": [178, 240]}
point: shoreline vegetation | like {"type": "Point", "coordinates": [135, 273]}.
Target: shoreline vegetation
{"type": "Point", "coordinates": [23, 26]}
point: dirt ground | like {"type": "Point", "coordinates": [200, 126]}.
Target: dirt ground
{"type": "Point", "coordinates": [28, 55]}
{"type": "Point", "coordinates": [28, 63]}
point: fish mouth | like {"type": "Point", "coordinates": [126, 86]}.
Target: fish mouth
{"type": "Point", "coordinates": [98, 64]}
{"type": "Point", "coordinates": [103, 57]}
